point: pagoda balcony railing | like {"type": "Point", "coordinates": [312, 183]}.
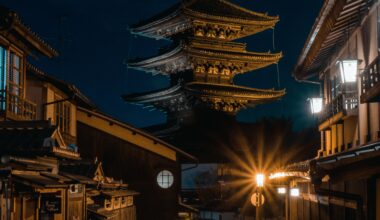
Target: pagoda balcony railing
{"type": "Point", "coordinates": [370, 83]}
{"type": "Point", "coordinates": [15, 107]}
{"type": "Point", "coordinates": [346, 104]}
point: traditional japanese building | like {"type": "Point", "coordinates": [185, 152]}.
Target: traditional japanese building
{"type": "Point", "coordinates": [56, 146]}
{"type": "Point", "coordinates": [342, 55]}
{"type": "Point", "coordinates": [203, 59]}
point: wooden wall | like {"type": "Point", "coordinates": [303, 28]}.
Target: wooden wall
{"type": "Point", "coordinates": [135, 166]}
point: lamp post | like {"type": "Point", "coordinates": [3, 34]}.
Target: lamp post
{"type": "Point", "coordinates": [259, 184]}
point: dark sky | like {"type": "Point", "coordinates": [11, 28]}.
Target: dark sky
{"type": "Point", "coordinates": [93, 41]}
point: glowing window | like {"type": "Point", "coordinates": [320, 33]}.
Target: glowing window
{"type": "Point", "coordinates": [165, 179]}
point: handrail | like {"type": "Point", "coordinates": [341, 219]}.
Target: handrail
{"type": "Point", "coordinates": [16, 107]}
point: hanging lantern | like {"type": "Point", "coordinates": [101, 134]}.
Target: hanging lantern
{"type": "Point", "coordinates": [316, 105]}
{"type": "Point", "coordinates": [294, 192]}
{"type": "Point", "coordinates": [348, 70]}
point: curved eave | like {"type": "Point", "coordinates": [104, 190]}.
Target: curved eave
{"type": "Point", "coordinates": [182, 16]}
{"type": "Point", "coordinates": [147, 65]}
{"type": "Point", "coordinates": [252, 58]}
{"type": "Point", "coordinates": [268, 21]}
{"type": "Point", "coordinates": [233, 91]}
{"type": "Point", "coordinates": [153, 96]}
{"type": "Point", "coordinates": [235, 56]}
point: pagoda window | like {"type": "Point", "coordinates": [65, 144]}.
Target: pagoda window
{"type": "Point", "coordinates": [62, 116]}
{"type": "Point", "coordinates": [199, 31]}
{"type": "Point", "coordinates": [3, 77]}
{"type": "Point", "coordinates": [226, 71]}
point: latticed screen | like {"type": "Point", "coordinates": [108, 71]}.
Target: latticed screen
{"type": "Point", "coordinates": [62, 116]}
{"type": "Point", "coordinates": [3, 77]}
{"type": "Point", "coordinates": [15, 74]}
{"type": "Point", "coordinates": [165, 179]}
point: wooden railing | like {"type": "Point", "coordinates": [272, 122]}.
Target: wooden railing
{"type": "Point", "coordinates": [346, 103]}
{"type": "Point", "coordinates": [16, 107]}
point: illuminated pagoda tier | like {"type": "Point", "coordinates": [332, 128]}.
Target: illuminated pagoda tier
{"type": "Point", "coordinates": [213, 19]}
{"type": "Point", "coordinates": [203, 61]}
{"type": "Point", "coordinates": [219, 97]}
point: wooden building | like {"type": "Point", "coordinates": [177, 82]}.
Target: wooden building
{"type": "Point", "coordinates": [342, 54]}
{"type": "Point", "coordinates": [42, 175]}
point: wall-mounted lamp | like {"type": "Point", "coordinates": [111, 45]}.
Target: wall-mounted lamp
{"type": "Point", "coordinates": [281, 190]}
{"type": "Point", "coordinates": [316, 105]}
{"type": "Point", "coordinates": [348, 70]}
{"type": "Point", "coordinates": [294, 192]}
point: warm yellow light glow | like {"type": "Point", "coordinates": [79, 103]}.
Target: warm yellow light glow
{"type": "Point", "coordinates": [260, 179]}
{"type": "Point", "coordinates": [277, 175]}
{"type": "Point", "coordinates": [295, 192]}
{"type": "Point", "coordinates": [281, 190]}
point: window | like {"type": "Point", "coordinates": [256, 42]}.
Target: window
{"type": "Point", "coordinates": [15, 74]}
{"type": "Point", "coordinates": [165, 179]}
{"type": "Point", "coordinates": [3, 77]}
{"type": "Point", "coordinates": [62, 116]}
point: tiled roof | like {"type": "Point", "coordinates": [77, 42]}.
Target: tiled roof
{"type": "Point", "coordinates": [10, 21]}
{"type": "Point", "coordinates": [224, 8]}
{"type": "Point", "coordinates": [69, 89]}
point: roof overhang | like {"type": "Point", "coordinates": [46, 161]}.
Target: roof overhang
{"type": "Point", "coordinates": [337, 19]}
{"type": "Point", "coordinates": [16, 31]}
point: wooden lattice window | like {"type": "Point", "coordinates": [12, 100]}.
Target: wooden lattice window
{"type": "Point", "coordinates": [15, 74]}
{"type": "Point", "coordinates": [62, 116]}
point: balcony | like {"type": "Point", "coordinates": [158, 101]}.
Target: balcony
{"type": "Point", "coordinates": [371, 83]}
{"type": "Point", "coordinates": [14, 107]}
{"type": "Point", "coordinates": [343, 106]}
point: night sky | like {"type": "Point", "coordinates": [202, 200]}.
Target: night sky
{"type": "Point", "coordinates": [93, 40]}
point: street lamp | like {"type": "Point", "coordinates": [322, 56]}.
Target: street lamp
{"type": "Point", "coordinates": [260, 178]}
{"type": "Point", "coordinates": [316, 105]}
{"type": "Point", "coordinates": [348, 70]}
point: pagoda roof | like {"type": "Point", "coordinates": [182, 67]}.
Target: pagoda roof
{"type": "Point", "coordinates": [220, 97]}
{"type": "Point", "coordinates": [179, 17]}
{"type": "Point", "coordinates": [187, 55]}
{"type": "Point", "coordinates": [234, 91]}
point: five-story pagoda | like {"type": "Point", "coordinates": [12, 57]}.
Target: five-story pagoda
{"type": "Point", "coordinates": [203, 58]}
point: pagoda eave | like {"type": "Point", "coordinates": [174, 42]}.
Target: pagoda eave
{"type": "Point", "coordinates": [231, 98]}
{"type": "Point", "coordinates": [226, 26]}
{"type": "Point", "coordinates": [219, 61]}
{"type": "Point", "coordinates": [173, 99]}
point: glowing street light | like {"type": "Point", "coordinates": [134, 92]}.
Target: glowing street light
{"type": "Point", "coordinates": [294, 192]}
{"type": "Point", "coordinates": [281, 190]}
{"type": "Point", "coordinates": [348, 70]}
{"type": "Point", "coordinates": [260, 179]}
{"type": "Point", "coordinates": [316, 105]}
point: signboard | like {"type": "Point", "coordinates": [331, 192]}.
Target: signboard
{"type": "Point", "coordinates": [50, 203]}
{"type": "Point", "coordinates": [256, 200]}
